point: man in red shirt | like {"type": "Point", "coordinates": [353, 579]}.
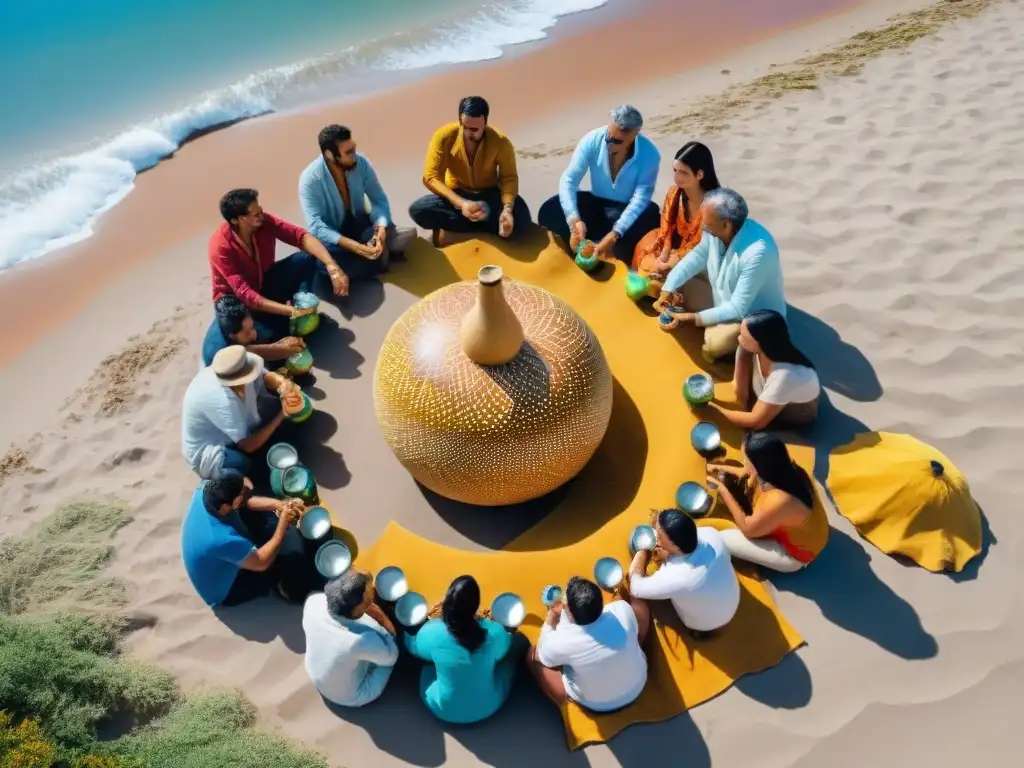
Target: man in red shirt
{"type": "Point", "coordinates": [243, 264]}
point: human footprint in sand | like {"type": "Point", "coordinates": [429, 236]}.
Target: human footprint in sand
{"type": "Point", "coordinates": [237, 547]}
{"type": "Point", "coordinates": [617, 212]}
{"type": "Point", "coordinates": [682, 226]}
{"type": "Point", "coordinates": [228, 412]}
{"type": "Point", "coordinates": [470, 171]}
{"type": "Point", "coordinates": [775, 383]}
{"type": "Point", "coordinates": [334, 190]}
{"type": "Point", "coordinates": [733, 271]}
{"type": "Point", "coordinates": [242, 261]}
{"type": "Point", "coordinates": [781, 523]}
{"type": "Point", "coordinates": [350, 642]}
{"type": "Point", "coordinates": [233, 324]}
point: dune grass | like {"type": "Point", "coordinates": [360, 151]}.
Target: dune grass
{"type": "Point", "coordinates": [63, 562]}
{"type": "Point", "coordinates": [64, 686]}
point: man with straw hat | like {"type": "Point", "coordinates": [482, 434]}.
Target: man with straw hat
{"type": "Point", "coordinates": [229, 413]}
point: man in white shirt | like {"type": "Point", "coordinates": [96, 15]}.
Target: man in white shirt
{"type": "Point", "coordinates": [220, 415]}
{"type": "Point", "coordinates": [696, 573]}
{"type": "Point", "coordinates": [350, 643]}
{"type": "Point", "coordinates": [591, 654]}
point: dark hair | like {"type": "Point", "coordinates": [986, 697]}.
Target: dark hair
{"type": "Point", "coordinates": [697, 157]}
{"type": "Point", "coordinates": [222, 489]}
{"type": "Point", "coordinates": [235, 203]}
{"type": "Point", "coordinates": [231, 314]}
{"type": "Point", "coordinates": [474, 106]}
{"type": "Point", "coordinates": [458, 610]}
{"type": "Point", "coordinates": [331, 136]}
{"type": "Point", "coordinates": [346, 593]}
{"type": "Point", "coordinates": [680, 529]}
{"type": "Point", "coordinates": [584, 600]}
{"type": "Point", "coordinates": [771, 332]}
{"type": "Point", "coordinates": [770, 458]}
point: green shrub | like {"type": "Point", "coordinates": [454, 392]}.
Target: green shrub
{"type": "Point", "coordinates": [212, 730]}
{"type": "Point", "coordinates": [63, 671]}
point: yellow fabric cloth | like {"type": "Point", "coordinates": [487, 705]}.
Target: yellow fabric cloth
{"type": "Point", "coordinates": [883, 483]}
{"type": "Point", "coordinates": [493, 166]}
{"type": "Point", "coordinates": [644, 457]}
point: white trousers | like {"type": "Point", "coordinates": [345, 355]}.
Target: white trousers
{"type": "Point", "coordinates": [764, 552]}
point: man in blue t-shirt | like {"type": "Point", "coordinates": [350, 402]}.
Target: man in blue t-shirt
{"type": "Point", "coordinates": [237, 547]}
{"type": "Point", "coordinates": [232, 324]}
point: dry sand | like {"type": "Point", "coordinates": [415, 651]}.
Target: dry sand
{"type": "Point", "coordinates": [891, 192]}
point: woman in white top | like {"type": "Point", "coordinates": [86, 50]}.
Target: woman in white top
{"type": "Point", "coordinates": [773, 379]}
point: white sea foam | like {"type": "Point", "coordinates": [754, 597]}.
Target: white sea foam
{"type": "Point", "coordinates": [56, 203]}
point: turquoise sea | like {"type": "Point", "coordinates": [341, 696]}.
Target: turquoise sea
{"type": "Point", "coordinates": [92, 92]}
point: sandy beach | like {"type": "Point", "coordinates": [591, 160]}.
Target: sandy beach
{"type": "Point", "coordinates": [890, 190]}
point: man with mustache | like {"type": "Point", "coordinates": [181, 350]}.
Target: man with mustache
{"type": "Point", "coordinates": [617, 211]}
{"type": "Point", "coordinates": [334, 191]}
{"type": "Point", "coordinates": [471, 173]}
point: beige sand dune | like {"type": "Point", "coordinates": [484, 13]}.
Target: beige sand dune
{"type": "Point", "coordinates": [895, 196]}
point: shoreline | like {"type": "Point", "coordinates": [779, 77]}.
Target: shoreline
{"type": "Point", "coordinates": [179, 184]}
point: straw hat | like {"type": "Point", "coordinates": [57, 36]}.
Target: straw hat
{"type": "Point", "coordinates": [907, 499]}
{"type": "Point", "coordinates": [234, 366]}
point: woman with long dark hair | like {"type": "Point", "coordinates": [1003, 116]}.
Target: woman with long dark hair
{"type": "Point", "coordinates": [781, 523]}
{"type": "Point", "coordinates": [473, 659]}
{"type": "Point", "coordinates": [775, 382]}
{"type": "Point", "coordinates": [693, 174]}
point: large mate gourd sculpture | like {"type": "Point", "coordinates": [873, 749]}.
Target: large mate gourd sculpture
{"type": "Point", "coordinates": [492, 392]}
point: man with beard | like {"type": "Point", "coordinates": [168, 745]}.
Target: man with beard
{"type": "Point", "coordinates": [334, 191]}
{"type": "Point", "coordinates": [470, 171]}
{"type": "Point", "coordinates": [243, 262]}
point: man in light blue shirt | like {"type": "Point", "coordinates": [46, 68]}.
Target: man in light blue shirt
{"type": "Point", "coordinates": [734, 270]}
{"type": "Point", "coordinates": [617, 211]}
{"type": "Point", "coordinates": [334, 190]}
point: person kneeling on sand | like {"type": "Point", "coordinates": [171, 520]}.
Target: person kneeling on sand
{"type": "Point", "coordinates": [334, 190]}
{"type": "Point", "coordinates": [774, 381]}
{"type": "Point", "coordinates": [733, 271]}
{"type": "Point", "coordinates": [472, 660]}
{"type": "Point", "coordinates": [229, 413]}
{"type": "Point", "coordinates": [471, 173]}
{"type": "Point", "coordinates": [242, 261]}
{"type": "Point", "coordinates": [780, 521]}
{"type": "Point", "coordinates": [237, 547]}
{"type": "Point", "coordinates": [232, 324]}
{"type": "Point", "coordinates": [589, 654]}
{"type": "Point", "coordinates": [617, 212]}
{"type": "Point", "coordinates": [695, 572]}
{"type": "Point", "coordinates": [350, 643]}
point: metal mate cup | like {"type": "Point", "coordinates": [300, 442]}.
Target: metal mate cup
{"type": "Point", "coordinates": [550, 595]}
{"type": "Point", "coordinates": [694, 499]}
{"type": "Point", "coordinates": [644, 537]}
{"type": "Point", "coordinates": [508, 609]}
{"type": "Point", "coordinates": [332, 559]}
{"type": "Point", "coordinates": [391, 584]}
{"type": "Point", "coordinates": [411, 610]}
{"type": "Point", "coordinates": [608, 573]}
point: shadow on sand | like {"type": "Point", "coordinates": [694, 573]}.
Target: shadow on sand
{"type": "Point", "coordinates": [609, 482]}
{"type": "Point", "coordinates": [842, 368]}
{"type": "Point", "coordinates": [850, 595]}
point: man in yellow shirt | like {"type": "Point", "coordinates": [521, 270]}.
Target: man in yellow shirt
{"type": "Point", "coordinates": [470, 171]}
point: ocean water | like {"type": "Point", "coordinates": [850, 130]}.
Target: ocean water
{"type": "Point", "coordinates": [92, 93]}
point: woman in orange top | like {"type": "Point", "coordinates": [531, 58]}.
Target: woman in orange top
{"type": "Point", "coordinates": [693, 174]}
{"type": "Point", "coordinates": [780, 521]}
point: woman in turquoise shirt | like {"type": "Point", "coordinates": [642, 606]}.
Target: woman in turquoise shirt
{"type": "Point", "coordinates": [472, 661]}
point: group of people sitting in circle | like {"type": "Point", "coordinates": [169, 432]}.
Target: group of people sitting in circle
{"type": "Point", "coordinates": [588, 652]}
{"type": "Point", "coordinates": [710, 266]}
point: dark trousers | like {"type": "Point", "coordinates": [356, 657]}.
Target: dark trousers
{"type": "Point", "coordinates": [360, 229]}
{"type": "Point", "coordinates": [293, 570]}
{"type": "Point", "coordinates": [434, 212]}
{"type": "Point", "coordinates": [287, 276]}
{"type": "Point", "coordinates": [600, 216]}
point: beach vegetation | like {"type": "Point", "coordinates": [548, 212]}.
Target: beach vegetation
{"type": "Point", "coordinates": [70, 699]}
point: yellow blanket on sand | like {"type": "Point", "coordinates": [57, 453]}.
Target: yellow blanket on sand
{"type": "Point", "coordinates": [645, 455]}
